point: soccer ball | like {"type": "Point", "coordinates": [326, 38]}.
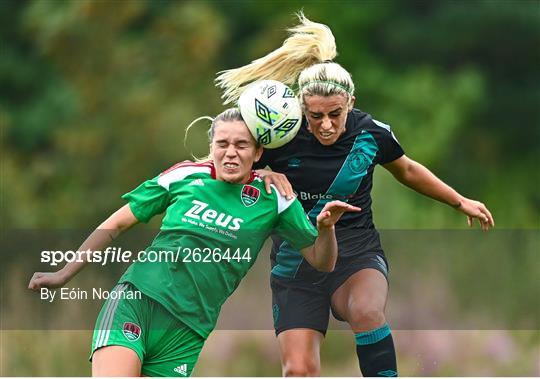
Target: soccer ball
{"type": "Point", "coordinates": [271, 111]}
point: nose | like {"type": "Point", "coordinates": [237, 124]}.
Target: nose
{"type": "Point", "coordinates": [326, 123]}
{"type": "Point", "coordinates": [231, 151]}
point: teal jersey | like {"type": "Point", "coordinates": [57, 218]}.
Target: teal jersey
{"type": "Point", "coordinates": [210, 236]}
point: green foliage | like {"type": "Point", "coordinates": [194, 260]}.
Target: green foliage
{"type": "Point", "coordinates": [95, 89]}
{"type": "Point", "coordinates": [95, 97]}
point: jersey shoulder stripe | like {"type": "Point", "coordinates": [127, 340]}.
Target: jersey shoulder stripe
{"type": "Point", "coordinates": [182, 170]}
{"type": "Point", "coordinates": [382, 125]}
{"type": "Point", "coordinates": [282, 202]}
{"type": "Point", "coordinates": [386, 127]}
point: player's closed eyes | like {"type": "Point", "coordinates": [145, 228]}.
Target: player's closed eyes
{"type": "Point", "coordinates": [332, 115]}
{"type": "Point", "coordinates": [240, 146]}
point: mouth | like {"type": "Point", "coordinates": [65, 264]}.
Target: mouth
{"type": "Point", "coordinates": [326, 135]}
{"type": "Point", "coordinates": [230, 166]}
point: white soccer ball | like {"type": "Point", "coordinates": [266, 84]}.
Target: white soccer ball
{"type": "Point", "coordinates": [271, 111]}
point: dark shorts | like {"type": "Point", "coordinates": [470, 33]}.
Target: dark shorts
{"type": "Point", "coordinates": [298, 303]}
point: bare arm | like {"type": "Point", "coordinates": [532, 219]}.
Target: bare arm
{"type": "Point", "coordinates": [323, 253]}
{"type": "Point", "coordinates": [116, 224]}
{"type": "Point", "coordinates": [419, 178]}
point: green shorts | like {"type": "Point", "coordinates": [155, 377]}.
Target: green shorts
{"type": "Point", "coordinates": [165, 345]}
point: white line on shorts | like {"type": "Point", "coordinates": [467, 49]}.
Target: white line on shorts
{"type": "Point", "coordinates": [108, 318]}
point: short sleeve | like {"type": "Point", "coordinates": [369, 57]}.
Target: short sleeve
{"type": "Point", "coordinates": [389, 147]}
{"type": "Point", "coordinates": [148, 199]}
{"type": "Point", "coordinates": [295, 227]}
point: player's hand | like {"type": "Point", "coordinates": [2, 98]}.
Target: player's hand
{"type": "Point", "coordinates": [279, 180]}
{"type": "Point", "coordinates": [475, 209]}
{"type": "Point", "coordinates": [46, 280]}
{"type": "Point", "coordinates": [332, 212]}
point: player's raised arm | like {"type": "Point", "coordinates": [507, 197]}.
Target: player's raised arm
{"type": "Point", "coordinates": [116, 224]}
{"type": "Point", "coordinates": [419, 178]}
{"type": "Point", "coordinates": [323, 253]}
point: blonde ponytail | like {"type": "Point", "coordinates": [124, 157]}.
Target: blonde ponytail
{"type": "Point", "coordinates": [308, 44]}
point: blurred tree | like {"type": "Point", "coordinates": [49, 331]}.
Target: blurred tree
{"type": "Point", "coordinates": [95, 89]}
{"type": "Point", "coordinates": [95, 97]}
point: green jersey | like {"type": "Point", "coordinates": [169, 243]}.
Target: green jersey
{"type": "Point", "coordinates": [210, 236]}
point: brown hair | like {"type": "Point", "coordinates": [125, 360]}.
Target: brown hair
{"type": "Point", "coordinates": [228, 115]}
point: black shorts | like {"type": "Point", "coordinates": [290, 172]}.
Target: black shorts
{"type": "Point", "coordinates": [298, 303]}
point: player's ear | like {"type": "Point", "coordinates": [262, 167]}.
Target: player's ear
{"type": "Point", "coordinates": [351, 103]}
{"type": "Point", "coordinates": [304, 112]}
{"type": "Point", "coordinates": [309, 127]}
{"type": "Point", "coordinates": [258, 153]}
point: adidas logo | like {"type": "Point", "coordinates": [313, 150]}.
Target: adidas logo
{"type": "Point", "coordinates": [196, 182]}
{"type": "Point", "coordinates": [182, 369]}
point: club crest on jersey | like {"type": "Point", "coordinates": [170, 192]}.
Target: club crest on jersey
{"type": "Point", "coordinates": [358, 162]}
{"type": "Point", "coordinates": [131, 331]}
{"type": "Point", "coordinates": [250, 195]}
